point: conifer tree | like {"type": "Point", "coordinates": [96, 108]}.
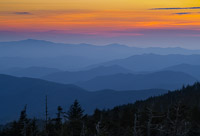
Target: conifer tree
{"type": "Point", "coordinates": [74, 116]}
{"type": "Point", "coordinates": [23, 122]}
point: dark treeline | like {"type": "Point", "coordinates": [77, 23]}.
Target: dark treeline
{"type": "Point", "coordinates": [176, 113]}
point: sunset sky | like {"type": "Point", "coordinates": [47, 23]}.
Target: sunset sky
{"type": "Point", "coordinates": [144, 23]}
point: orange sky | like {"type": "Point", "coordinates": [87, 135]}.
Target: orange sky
{"type": "Point", "coordinates": [84, 14]}
{"type": "Point", "coordinates": [98, 16]}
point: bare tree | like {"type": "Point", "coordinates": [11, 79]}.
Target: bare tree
{"type": "Point", "coordinates": [177, 124]}
{"type": "Point", "coordinates": [136, 128]}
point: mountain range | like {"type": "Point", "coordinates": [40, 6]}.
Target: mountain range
{"type": "Point", "coordinates": [152, 62]}
{"type": "Point", "coordinates": [98, 76]}
{"type": "Point", "coordinates": [30, 52]}
{"type": "Point", "coordinates": [84, 75]}
{"type": "Point", "coordinates": [16, 92]}
{"type": "Point", "coordinates": [193, 70]}
{"type": "Point", "coordinates": [163, 80]}
{"type": "Point", "coordinates": [28, 48]}
{"type": "Point", "coordinates": [34, 72]}
{"type": "Point", "coordinates": [113, 77]}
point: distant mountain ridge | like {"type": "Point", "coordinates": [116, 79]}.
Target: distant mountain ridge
{"type": "Point", "coordinates": [34, 72]}
{"type": "Point", "coordinates": [152, 62]}
{"type": "Point", "coordinates": [135, 50]}
{"type": "Point", "coordinates": [193, 70]}
{"type": "Point", "coordinates": [39, 53]}
{"type": "Point", "coordinates": [61, 62]}
{"type": "Point", "coordinates": [164, 80]}
{"type": "Point", "coordinates": [113, 77]}
{"type": "Point", "coordinates": [84, 75]}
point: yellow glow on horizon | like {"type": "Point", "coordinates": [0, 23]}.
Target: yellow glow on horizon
{"type": "Point", "coordinates": [94, 4]}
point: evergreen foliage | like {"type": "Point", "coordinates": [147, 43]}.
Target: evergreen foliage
{"type": "Point", "coordinates": [176, 113]}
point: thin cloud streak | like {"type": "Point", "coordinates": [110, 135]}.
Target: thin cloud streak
{"type": "Point", "coordinates": [22, 13]}
{"type": "Point", "coordinates": [182, 13]}
{"type": "Point", "coordinates": [179, 8]}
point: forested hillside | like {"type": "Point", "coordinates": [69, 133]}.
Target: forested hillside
{"type": "Point", "coordinates": [173, 114]}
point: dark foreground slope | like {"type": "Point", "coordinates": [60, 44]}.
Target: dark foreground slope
{"type": "Point", "coordinates": [176, 113]}
{"type": "Point", "coordinates": [16, 92]}
{"type": "Point", "coordinates": [172, 114]}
